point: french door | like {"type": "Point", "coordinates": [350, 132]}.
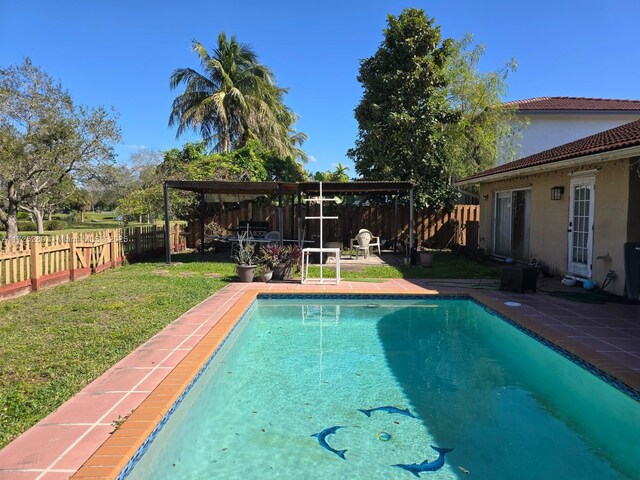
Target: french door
{"type": "Point", "coordinates": [511, 219]}
{"type": "Point", "coordinates": [581, 205]}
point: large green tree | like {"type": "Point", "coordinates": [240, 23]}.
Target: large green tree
{"type": "Point", "coordinates": [427, 115]}
{"type": "Point", "coordinates": [252, 162]}
{"type": "Point", "coordinates": [45, 139]}
{"type": "Point", "coordinates": [486, 130]}
{"type": "Point", "coordinates": [234, 99]}
{"type": "Point", "coordinates": [404, 109]}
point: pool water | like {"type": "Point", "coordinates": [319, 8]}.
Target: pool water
{"type": "Point", "coordinates": [508, 406]}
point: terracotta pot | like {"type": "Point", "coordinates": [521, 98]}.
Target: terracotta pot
{"type": "Point", "coordinates": [282, 272]}
{"type": "Point", "coordinates": [246, 272]}
{"type": "Point", "coordinates": [265, 276]}
{"type": "Point", "coordinates": [426, 259]}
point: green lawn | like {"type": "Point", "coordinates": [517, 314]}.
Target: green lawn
{"type": "Point", "coordinates": [445, 265]}
{"type": "Point", "coordinates": [57, 340]}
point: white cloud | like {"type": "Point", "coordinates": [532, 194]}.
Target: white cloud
{"type": "Point", "coordinates": [312, 158]}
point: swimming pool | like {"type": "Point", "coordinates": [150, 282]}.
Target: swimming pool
{"type": "Point", "coordinates": [398, 376]}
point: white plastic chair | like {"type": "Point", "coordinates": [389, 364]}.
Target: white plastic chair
{"type": "Point", "coordinates": [363, 239]}
{"type": "Point", "coordinates": [273, 235]}
{"type": "Point", "coordinates": [375, 241]}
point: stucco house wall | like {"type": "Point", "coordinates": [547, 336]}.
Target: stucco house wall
{"type": "Point", "coordinates": [547, 130]}
{"type": "Point", "coordinates": [616, 219]}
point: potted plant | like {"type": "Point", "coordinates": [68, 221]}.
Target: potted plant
{"type": "Point", "coordinates": [288, 258]}
{"type": "Point", "coordinates": [426, 255]}
{"type": "Point", "coordinates": [264, 273]}
{"type": "Point", "coordinates": [269, 259]}
{"type": "Point", "coordinates": [245, 260]}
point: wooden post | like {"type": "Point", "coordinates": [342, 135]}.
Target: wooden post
{"type": "Point", "coordinates": [138, 242]}
{"type": "Point", "coordinates": [72, 256]}
{"type": "Point", "coordinates": [112, 248]}
{"type": "Point", "coordinates": [154, 233]}
{"type": "Point", "coordinates": [167, 247]}
{"type": "Point", "coordinates": [177, 244]}
{"type": "Point", "coordinates": [36, 263]}
{"type": "Point", "coordinates": [411, 224]}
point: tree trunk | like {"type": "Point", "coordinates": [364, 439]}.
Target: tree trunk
{"type": "Point", "coordinates": [12, 225]}
{"type": "Point", "coordinates": [82, 216]}
{"type": "Point", "coordinates": [37, 215]}
{"type": "Point", "coordinates": [49, 215]}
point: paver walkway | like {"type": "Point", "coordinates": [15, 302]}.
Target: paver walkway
{"type": "Point", "coordinates": [606, 335]}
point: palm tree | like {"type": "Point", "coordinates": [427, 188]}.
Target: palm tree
{"type": "Point", "coordinates": [233, 100]}
{"type": "Point", "coordinates": [340, 173]}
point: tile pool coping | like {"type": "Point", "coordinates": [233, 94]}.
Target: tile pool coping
{"type": "Point", "coordinates": [120, 452]}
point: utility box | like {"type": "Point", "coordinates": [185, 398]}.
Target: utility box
{"type": "Point", "coordinates": [518, 279]}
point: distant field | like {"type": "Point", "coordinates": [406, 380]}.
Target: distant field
{"type": "Point", "coordinates": [93, 222]}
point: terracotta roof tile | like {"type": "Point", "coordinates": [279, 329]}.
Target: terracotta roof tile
{"type": "Point", "coordinates": [624, 136]}
{"type": "Point", "coordinates": [574, 103]}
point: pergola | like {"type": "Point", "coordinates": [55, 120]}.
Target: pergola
{"type": "Point", "coordinates": [239, 191]}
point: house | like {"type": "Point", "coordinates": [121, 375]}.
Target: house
{"type": "Point", "coordinates": [555, 121]}
{"type": "Point", "coordinates": [572, 207]}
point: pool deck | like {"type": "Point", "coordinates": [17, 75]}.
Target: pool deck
{"type": "Point", "coordinates": [606, 336]}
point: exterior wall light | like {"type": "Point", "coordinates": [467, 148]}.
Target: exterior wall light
{"type": "Point", "coordinates": [556, 193]}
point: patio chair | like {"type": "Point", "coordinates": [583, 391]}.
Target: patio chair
{"type": "Point", "coordinates": [363, 239]}
{"type": "Point", "coordinates": [273, 235]}
{"type": "Point", "coordinates": [375, 241]}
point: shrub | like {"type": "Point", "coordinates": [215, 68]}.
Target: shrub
{"type": "Point", "coordinates": [55, 225]}
{"type": "Point", "coordinates": [24, 226]}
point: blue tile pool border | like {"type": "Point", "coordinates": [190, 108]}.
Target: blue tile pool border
{"type": "Point", "coordinates": [612, 381]}
{"type": "Point", "coordinates": [124, 473]}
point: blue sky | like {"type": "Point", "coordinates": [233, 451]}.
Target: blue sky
{"type": "Point", "coordinates": [121, 53]}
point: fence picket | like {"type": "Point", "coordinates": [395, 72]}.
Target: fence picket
{"type": "Point", "coordinates": [46, 260]}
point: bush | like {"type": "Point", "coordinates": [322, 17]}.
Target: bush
{"type": "Point", "coordinates": [23, 216]}
{"type": "Point", "coordinates": [27, 226]}
{"type": "Point", "coordinates": [55, 225]}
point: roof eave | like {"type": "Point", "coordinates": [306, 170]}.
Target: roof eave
{"type": "Point", "coordinates": [595, 158]}
{"type": "Point", "coordinates": [576, 111]}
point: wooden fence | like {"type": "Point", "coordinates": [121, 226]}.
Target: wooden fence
{"type": "Point", "coordinates": [32, 263]}
{"type": "Point", "coordinates": [433, 228]}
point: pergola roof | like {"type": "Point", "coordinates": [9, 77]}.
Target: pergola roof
{"type": "Point", "coordinates": [274, 188]}
{"type": "Point", "coordinates": [356, 187]}
{"type": "Point", "coordinates": [260, 188]}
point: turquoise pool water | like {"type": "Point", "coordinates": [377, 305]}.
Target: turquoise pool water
{"type": "Point", "coordinates": [508, 406]}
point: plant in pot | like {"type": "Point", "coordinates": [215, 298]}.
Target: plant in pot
{"type": "Point", "coordinates": [245, 260]}
{"type": "Point", "coordinates": [268, 260]}
{"type": "Point", "coordinates": [426, 255]}
{"type": "Point", "coordinates": [288, 258]}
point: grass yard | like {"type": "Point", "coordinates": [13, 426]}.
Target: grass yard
{"type": "Point", "coordinates": [445, 265]}
{"type": "Point", "coordinates": [56, 341]}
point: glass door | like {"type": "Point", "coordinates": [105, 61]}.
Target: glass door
{"type": "Point", "coordinates": [580, 229]}
{"type": "Point", "coordinates": [512, 220]}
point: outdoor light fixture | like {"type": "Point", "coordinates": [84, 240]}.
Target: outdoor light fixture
{"type": "Point", "coordinates": [485, 197]}
{"type": "Point", "coordinates": [556, 193]}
